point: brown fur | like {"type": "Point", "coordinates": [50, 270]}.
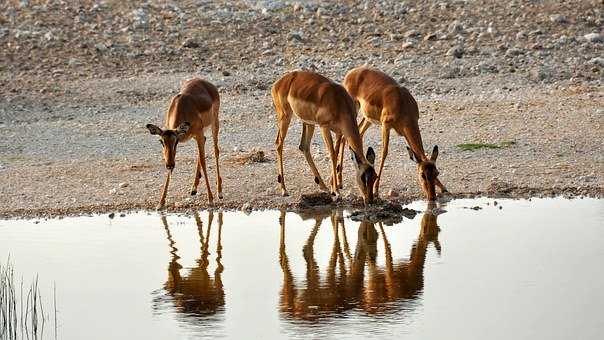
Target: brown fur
{"type": "Point", "coordinates": [383, 102]}
{"type": "Point", "coordinates": [318, 101]}
{"type": "Point", "coordinates": [196, 107]}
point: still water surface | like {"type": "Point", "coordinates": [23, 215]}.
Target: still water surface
{"type": "Point", "coordinates": [530, 270]}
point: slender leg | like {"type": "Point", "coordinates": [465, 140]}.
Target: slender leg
{"type": "Point", "coordinates": [201, 141]}
{"type": "Point", "coordinates": [283, 121]}
{"type": "Point", "coordinates": [215, 130]}
{"type": "Point", "coordinates": [440, 186]}
{"type": "Point", "coordinates": [332, 154]}
{"type": "Point", "coordinates": [341, 161]}
{"type": "Point", "coordinates": [196, 179]}
{"type": "Point", "coordinates": [164, 191]}
{"type": "Point", "coordinates": [385, 142]}
{"type": "Point", "coordinates": [307, 131]}
{"type": "Point", "coordinates": [363, 126]}
{"type": "Point", "coordinates": [338, 178]}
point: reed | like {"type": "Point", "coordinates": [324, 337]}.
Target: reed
{"type": "Point", "coordinates": [22, 314]}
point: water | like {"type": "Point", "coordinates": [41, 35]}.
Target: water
{"type": "Point", "coordinates": [532, 269]}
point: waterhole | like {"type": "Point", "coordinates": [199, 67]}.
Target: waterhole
{"type": "Point", "coordinates": [467, 269]}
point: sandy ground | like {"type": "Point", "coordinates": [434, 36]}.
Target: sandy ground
{"type": "Point", "coordinates": [75, 143]}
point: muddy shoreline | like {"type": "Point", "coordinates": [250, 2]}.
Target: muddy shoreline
{"type": "Point", "coordinates": [117, 209]}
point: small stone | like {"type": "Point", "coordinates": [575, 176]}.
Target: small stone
{"type": "Point", "coordinates": [111, 215]}
{"type": "Point", "coordinates": [246, 207]}
{"type": "Point", "coordinates": [456, 51]}
{"type": "Point", "coordinates": [190, 43]}
{"type": "Point", "coordinates": [455, 27]}
{"type": "Point", "coordinates": [123, 184]}
{"type": "Point", "coordinates": [430, 36]}
{"type": "Point", "coordinates": [100, 47]}
{"type": "Point", "coordinates": [392, 193]}
{"type": "Point", "coordinates": [297, 36]}
{"type": "Point", "coordinates": [594, 37]}
{"type": "Point", "coordinates": [411, 34]}
{"type": "Point", "coordinates": [226, 73]}
{"type": "Point", "coordinates": [558, 19]}
{"type": "Point", "coordinates": [599, 61]}
{"type": "Point", "coordinates": [407, 44]}
{"type": "Point", "coordinates": [113, 191]}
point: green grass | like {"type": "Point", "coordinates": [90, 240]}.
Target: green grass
{"type": "Point", "coordinates": [477, 146]}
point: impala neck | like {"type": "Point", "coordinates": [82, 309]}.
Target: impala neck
{"type": "Point", "coordinates": [414, 140]}
{"type": "Point", "coordinates": [356, 144]}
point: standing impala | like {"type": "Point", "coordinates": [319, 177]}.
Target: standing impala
{"type": "Point", "coordinates": [383, 102]}
{"type": "Point", "coordinates": [191, 113]}
{"type": "Point", "coordinates": [317, 100]}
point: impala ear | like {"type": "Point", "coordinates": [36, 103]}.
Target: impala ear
{"type": "Point", "coordinates": [412, 155]}
{"type": "Point", "coordinates": [355, 157]}
{"type": "Point", "coordinates": [370, 156]}
{"type": "Point", "coordinates": [154, 130]}
{"type": "Point", "coordinates": [434, 153]}
{"type": "Point", "coordinates": [183, 128]}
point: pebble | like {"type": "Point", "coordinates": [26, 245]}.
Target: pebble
{"type": "Point", "coordinates": [111, 215]}
{"type": "Point", "coordinates": [597, 61]}
{"type": "Point", "coordinates": [123, 184]}
{"type": "Point", "coordinates": [594, 37]}
{"type": "Point", "coordinates": [112, 191]}
{"type": "Point", "coordinates": [558, 18]}
{"type": "Point", "coordinates": [456, 51]}
{"type": "Point", "coordinates": [392, 193]}
{"type": "Point", "coordinates": [190, 43]}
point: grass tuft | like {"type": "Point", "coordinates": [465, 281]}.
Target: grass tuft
{"type": "Point", "coordinates": [477, 146]}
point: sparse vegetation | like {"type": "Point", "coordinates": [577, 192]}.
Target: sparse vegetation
{"type": "Point", "coordinates": [21, 315]}
{"type": "Point", "coordinates": [476, 146]}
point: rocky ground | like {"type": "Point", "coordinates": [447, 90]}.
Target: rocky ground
{"type": "Point", "coordinates": [80, 79]}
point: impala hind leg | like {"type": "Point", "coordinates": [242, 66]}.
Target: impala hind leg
{"type": "Point", "coordinates": [283, 121]}
{"type": "Point", "coordinates": [307, 132]}
{"type": "Point", "coordinates": [385, 144]}
{"type": "Point", "coordinates": [334, 160]}
{"type": "Point", "coordinates": [215, 130]}
{"type": "Point", "coordinates": [201, 141]}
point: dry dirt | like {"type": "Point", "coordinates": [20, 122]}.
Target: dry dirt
{"type": "Point", "coordinates": [79, 81]}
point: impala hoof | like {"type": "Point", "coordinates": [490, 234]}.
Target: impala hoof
{"type": "Point", "coordinates": [284, 193]}
{"type": "Point", "coordinates": [193, 192]}
{"type": "Point", "coordinates": [159, 207]}
{"type": "Point", "coordinates": [220, 196]}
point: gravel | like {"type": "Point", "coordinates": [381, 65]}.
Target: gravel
{"type": "Point", "coordinates": [79, 80]}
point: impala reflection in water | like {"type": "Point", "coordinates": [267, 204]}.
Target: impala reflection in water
{"type": "Point", "coordinates": [353, 280]}
{"type": "Point", "coordinates": [196, 293]}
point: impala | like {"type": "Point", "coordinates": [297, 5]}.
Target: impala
{"type": "Point", "coordinates": [317, 100]}
{"type": "Point", "coordinates": [191, 113]}
{"type": "Point", "coordinates": [383, 102]}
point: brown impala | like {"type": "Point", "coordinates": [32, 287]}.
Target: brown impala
{"type": "Point", "coordinates": [191, 113]}
{"type": "Point", "coordinates": [383, 102]}
{"type": "Point", "coordinates": [317, 100]}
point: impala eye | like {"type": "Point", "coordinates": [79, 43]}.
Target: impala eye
{"type": "Point", "coordinates": [424, 176]}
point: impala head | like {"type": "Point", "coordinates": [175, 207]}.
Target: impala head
{"type": "Point", "coordinates": [366, 174]}
{"type": "Point", "coordinates": [169, 139]}
{"type": "Point", "coordinates": [426, 172]}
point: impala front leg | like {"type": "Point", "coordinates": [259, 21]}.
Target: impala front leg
{"type": "Point", "coordinates": [164, 191]}
{"type": "Point", "coordinates": [334, 161]}
{"type": "Point", "coordinates": [385, 143]}
{"type": "Point", "coordinates": [440, 186]}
